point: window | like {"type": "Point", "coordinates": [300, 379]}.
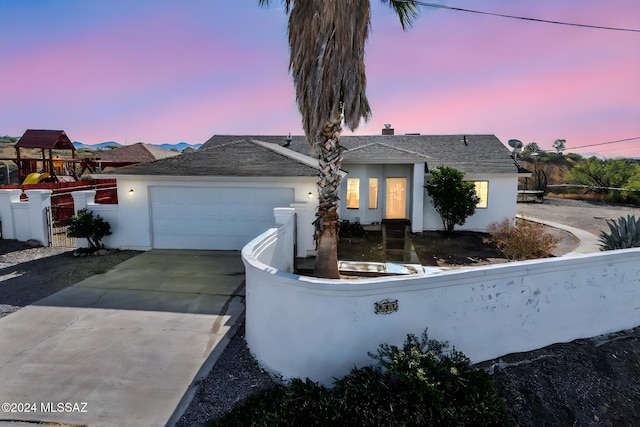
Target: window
{"type": "Point", "coordinates": [353, 193]}
{"type": "Point", "coordinates": [373, 193]}
{"type": "Point", "coordinates": [482, 188]}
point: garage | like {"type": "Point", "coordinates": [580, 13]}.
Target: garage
{"type": "Point", "coordinates": [212, 217]}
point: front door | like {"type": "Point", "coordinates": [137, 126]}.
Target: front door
{"type": "Point", "coordinates": [396, 198]}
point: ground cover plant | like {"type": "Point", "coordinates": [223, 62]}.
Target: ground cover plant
{"type": "Point", "coordinates": [417, 384]}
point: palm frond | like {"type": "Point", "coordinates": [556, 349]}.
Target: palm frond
{"type": "Point", "coordinates": [285, 3]}
{"type": "Point", "coordinates": [327, 40]}
{"type": "Point", "coordinates": [406, 10]}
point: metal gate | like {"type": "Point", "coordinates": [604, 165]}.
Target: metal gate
{"type": "Point", "coordinates": [57, 217]}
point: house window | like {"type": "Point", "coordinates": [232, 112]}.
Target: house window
{"type": "Point", "coordinates": [373, 193]}
{"type": "Point", "coordinates": [482, 188]}
{"type": "Point", "coordinates": [353, 193]}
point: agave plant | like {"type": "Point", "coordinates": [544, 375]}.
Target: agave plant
{"type": "Point", "coordinates": [624, 234]}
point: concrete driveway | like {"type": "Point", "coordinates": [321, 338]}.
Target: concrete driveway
{"type": "Point", "coordinates": [122, 348]}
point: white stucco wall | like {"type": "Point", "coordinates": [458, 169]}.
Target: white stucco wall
{"type": "Point", "coordinates": [132, 229]}
{"type": "Point", "coordinates": [299, 326]}
{"type": "Point", "coordinates": [25, 220]}
{"type": "Point", "coordinates": [502, 199]}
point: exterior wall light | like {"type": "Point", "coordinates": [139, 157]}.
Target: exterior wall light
{"type": "Point", "coordinates": [131, 192]}
{"type": "Point", "coordinates": [310, 195]}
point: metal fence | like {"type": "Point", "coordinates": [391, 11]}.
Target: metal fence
{"type": "Point", "coordinates": [57, 217]}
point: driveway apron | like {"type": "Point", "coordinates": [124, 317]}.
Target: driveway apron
{"type": "Point", "coordinates": [124, 348]}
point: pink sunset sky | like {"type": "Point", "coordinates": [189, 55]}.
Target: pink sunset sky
{"type": "Point", "coordinates": [165, 71]}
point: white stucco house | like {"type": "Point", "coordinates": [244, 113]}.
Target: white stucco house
{"type": "Point", "coordinates": [222, 195]}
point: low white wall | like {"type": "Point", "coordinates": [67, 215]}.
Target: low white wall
{"type": "Point", "coordinates": [25, 220]}
{"type": "Point", "coordinates": [299, 326]}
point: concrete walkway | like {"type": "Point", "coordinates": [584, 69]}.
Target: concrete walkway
{"type": "Point", "coordinates": [123, 348]}
{"type": "Point", "coordinates": [589, 242]}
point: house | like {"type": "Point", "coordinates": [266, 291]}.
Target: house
{"type": "Point", "coordinates": [386, 174]}
{"type": "Point", "coordinates": [214, 198]}
{"type": "Point", "coordinates": [126, 155]}
{"type": "Point", "coordinates": [222, 195]}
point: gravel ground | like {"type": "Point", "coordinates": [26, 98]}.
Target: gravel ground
{"type": "Point", "coordinates": [30, 274]}
{"type": "Point", "coordinates": [588, 216]}
{"type": "Point", "coordinates": [233, 378]}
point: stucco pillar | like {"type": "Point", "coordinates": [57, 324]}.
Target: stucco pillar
{"type": "Point", "coordinates": [6, 212]}
{"type": "Point", "coordinates": [82, 199]}
{"type": "Point", "coordinates": [39, 200]}
{"type": "Point", "coordinates": [304, 228]}
{"type": "Point", "coordinates": [287, 218]}
{"type": "Point", "coordinates": [417, 205]}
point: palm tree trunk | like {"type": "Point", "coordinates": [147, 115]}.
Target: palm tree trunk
{"type": "Point", "coordinates": [326, 223]}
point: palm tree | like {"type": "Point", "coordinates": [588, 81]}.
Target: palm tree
{"type": "Point", "coordinates": [327, 39]}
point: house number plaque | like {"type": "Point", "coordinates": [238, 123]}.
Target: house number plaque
{"type": "Point", "coordinates": [386, 306]}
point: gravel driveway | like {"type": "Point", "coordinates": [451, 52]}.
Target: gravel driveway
{"type": "Point", "coordinates": [588, 216]}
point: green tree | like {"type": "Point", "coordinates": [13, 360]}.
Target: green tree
{"type": "Point", "coordinates": [453, 198]}
{"type": "Point", "coordinates": [600, 175]}
{"type": "Point", "coordinates": [326, 40]}
{"type": "Point", "coordinates": [633, 183]}
{"type": "Point", "coordinates": [559, 145]}
{"type": "Point", "coordinates": [531, 148]}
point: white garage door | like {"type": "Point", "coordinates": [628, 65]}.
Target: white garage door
{"type": "Point", "coordinates": [213, 217]}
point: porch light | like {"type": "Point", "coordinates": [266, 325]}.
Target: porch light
{"type": "Point", "coordinates": [131, 192]}
{"type": "Point", "coordinates": [310, 195]}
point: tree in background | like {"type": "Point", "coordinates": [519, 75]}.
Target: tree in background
{"type": "Point", "coordinates": [453, 198]}
{"type": "Point", "coordinates": [326, 40]}
{"type": "Point", "coordinates": [8, 139]}
{"type": "Point", "coordinates": [559, 145]}
{"type": "Point", "coordinates": [531, 148]}
{"type": "Point", "coordinates": [632, 187]}
{"type": "Point", "coordinates": [602, 175]}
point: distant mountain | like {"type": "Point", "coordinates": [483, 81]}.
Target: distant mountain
{"type": "Point", "coordinates": [179, 146]}
{"type": "Point", "coordinates": [112, 144]}
{"type": "Point", "coordinates": [101, 146]}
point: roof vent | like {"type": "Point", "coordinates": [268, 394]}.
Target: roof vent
{"type": "Point", "coordinates": [387, 130]}
{"type": "Point", "coordinates": [287, 141]}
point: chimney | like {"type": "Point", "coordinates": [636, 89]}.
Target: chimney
{"type": "Point", "coordinates": [387, 130]}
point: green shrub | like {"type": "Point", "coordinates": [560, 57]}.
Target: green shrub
{"type": "Point", "coordinates": [416, 384]}
{"type": "Point", "coordinates": [453, 198]}
{"type": "Point", "coordinates": [525, 240]}
{"type": "Point", "coordinates": [351, 229]}
{"type": "Point", "coordinates": [624, 234]}
{"type": "Point", "coordinates": [84, 225]}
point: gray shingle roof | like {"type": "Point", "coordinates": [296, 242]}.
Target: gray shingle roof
{"type": "Point", "coordinates": [135, 153]}
{"type": "Point", "coordinates": [236, 157]}
{"type": "Point", "coordinates": [467, 153]}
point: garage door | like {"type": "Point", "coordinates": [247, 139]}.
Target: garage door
{"type": "Point", "coordinates": [212, 218]}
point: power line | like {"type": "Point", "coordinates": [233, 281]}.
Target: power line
{"type": "Point", "coordinates": [459, 9]}
{"type": "Point", "coordinates": [604, 143]}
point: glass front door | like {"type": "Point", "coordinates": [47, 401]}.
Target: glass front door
{"type": "Point", "coordinates": [396, 198]}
